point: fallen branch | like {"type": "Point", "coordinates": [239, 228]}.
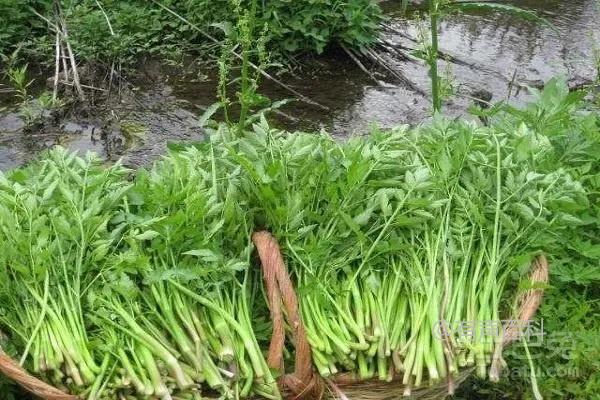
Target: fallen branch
{"type": "Point", "coordinates": [377, 59]}
{"type": "Point", "coordinates": [360, 64]}
{"type": "Point", "coordinates": [65, 35]}
{"type": "Point", "coordinates": [84, 86]}
{"type": "Point", "coordinates": [112, 33]}
{"type": "Point", "coordinates": [56, 68]}
{"type": "Point", "coordinates": [390, 47]}
{"type": "Point", "coordinates": [60, 28]}
{"type": "Point", "coordinates": [445, 55]}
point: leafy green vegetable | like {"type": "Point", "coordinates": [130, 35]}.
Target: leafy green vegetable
{"type": "Point", "coordinates": [565, 361]}
{"type": "Point", "coordinates": [143, 286]}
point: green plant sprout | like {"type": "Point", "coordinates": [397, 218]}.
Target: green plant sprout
{"type": "Point", "coordinates": [438, 9]}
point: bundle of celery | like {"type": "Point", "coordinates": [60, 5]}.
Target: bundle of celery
{"type": "Point", "coordinates": [176, 302]}
{"type": "Point", "coordinates": [113, 289]}
{"type": "Point", "coordinates": [54, 237]}
{"type": "Point", "coordinates": [394, 236]}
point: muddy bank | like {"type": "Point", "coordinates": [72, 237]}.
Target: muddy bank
{"type": "Point", "coordinates": [491, 53]}
{"type": "Point", "coordinates": [137, 127]}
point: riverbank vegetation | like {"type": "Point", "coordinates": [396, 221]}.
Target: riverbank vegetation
{"type": "Point", "coordinates": [126, 30]}
{"type": "Point", "coordinates": [89, 50]}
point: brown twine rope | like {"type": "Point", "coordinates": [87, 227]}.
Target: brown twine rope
{"type": "Point", "coordinates": [529, 301]}
{"type": "Point", "coordinates": [304, 383]}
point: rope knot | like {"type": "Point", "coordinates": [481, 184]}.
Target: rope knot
{"type": "Point", "coordinates": [304, 383]}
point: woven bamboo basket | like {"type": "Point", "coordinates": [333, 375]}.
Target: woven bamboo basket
{"type": "Point", "coordinates": [304, 383]}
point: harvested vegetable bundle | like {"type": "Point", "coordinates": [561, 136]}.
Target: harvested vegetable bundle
{"type": "Point", "coordinates": [392, 237]}
{"type": "Point", "coordinates": [90, 269]}
{"type": "Point", "coordinates": [180, 309]}
{"type": "Point", "coordinates": [53, 236]}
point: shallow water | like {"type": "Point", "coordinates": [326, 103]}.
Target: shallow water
{"type": "Point", "coordinates": [499, 46]}
{"type": "Point", "coordinates": [493, 51]}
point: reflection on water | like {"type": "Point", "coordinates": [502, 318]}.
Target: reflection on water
{"type": "Point", "coordinates": [500, 46]}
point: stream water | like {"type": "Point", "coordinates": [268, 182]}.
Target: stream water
{"type": "Point", "coordinates": [489, 51]}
